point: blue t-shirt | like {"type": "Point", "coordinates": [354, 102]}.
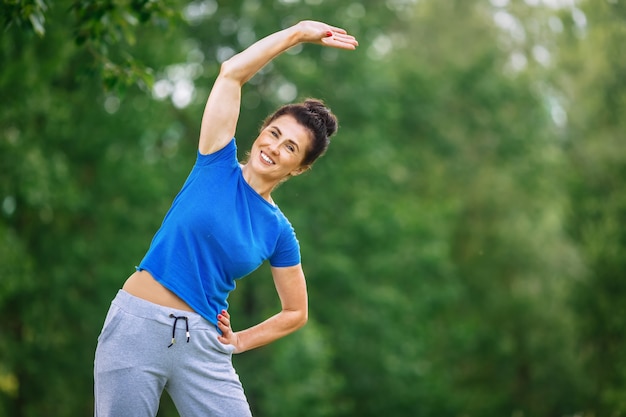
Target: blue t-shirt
{"type": "Point", "coordinates": [218, 229]}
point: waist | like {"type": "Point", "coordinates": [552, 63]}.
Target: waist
{"type": "Point", "coordinates": [142, 284]}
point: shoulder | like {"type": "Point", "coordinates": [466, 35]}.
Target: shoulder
{"type": "Point", "coordinates": [226, 154]}
{"type": "Point", "coordinates": [286, 229]}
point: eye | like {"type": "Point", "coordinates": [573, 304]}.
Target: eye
{"type": "Point", "coordinates": [274, 133]}
{"type": "Point", "coordinates": [291, 148]}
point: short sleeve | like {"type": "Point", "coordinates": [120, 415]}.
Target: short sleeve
{"type": "Point", "coordinates": [287, 251]}
{"type": "Point", "coordinates": [226, 155]}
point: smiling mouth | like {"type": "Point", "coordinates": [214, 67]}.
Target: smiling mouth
{"type": "Point", "coordinates": [267, 159]}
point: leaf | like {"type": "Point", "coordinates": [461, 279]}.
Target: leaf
{"type": "Point", "coordinates": [37, 19]}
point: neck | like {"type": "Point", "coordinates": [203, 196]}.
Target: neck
{"type": "Point", "coordinates": [262, 187]}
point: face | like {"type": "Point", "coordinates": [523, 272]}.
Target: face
{"type": "Point", "coordinates": [280, 148]}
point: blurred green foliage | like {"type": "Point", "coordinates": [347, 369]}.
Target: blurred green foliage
{"type": "Point", "coordinates": [463, 238]}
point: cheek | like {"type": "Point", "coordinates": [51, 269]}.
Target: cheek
{"type": "Point", "coordinates": [301, 158]}
{"type": "Point", "coordinates": [296, 160]}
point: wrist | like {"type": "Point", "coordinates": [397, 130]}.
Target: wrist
{"type": "Point", "coordinates": [295, 34]}
{"type": "Point", "coordinates": [237, 342]}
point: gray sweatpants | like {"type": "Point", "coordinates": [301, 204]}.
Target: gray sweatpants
{"type": "Point", "coordinates": [133, 364]}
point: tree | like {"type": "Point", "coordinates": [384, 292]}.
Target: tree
{"type": "Point", "coordinates": [72, 184]}
{"type": "Point", "coordinates": [459, 210]}
{"type": "Point", "coordinates": [594, 96]}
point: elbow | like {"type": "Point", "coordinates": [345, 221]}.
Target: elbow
{"type": "Point", "coordinates": [299, 319]}
{"type": "Point", "coordinates": [304, 318]}
{"type": "Point", "coordinates": [229, 70]}
{"type": "Point", "coordinates": [226, 69]}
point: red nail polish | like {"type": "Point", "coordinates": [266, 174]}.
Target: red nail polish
{"type": "Point", "coordinates": [329, 34]}
{"type": "Point", "coordinates": [219, 316]}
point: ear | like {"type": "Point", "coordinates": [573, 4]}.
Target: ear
{"type": "Point", "coordinates": [300, 170]}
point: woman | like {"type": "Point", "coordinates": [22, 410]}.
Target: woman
{"type": "Point", "coordinates": [222, 225]}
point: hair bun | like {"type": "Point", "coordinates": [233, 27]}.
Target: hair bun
{"type": "Point", "coordinates": [327, 121]}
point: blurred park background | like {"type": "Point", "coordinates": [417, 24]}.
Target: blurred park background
{"type": "Point", "coordinates": [464, 238]}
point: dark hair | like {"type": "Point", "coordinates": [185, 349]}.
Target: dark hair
{"type": "Point", "coordinates": [317, 118]}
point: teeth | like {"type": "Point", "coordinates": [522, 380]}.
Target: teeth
{"type": "Point", "coordinates": [267, 158]}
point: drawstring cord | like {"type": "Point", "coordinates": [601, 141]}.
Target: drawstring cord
{"type": "Point", "coordinates": [174, 328]}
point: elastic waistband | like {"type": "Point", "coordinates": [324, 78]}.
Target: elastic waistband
{"type": "Point", "coordinates": [145, 309]}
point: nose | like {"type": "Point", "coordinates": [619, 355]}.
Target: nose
{"type": "Point", "coordinates": [274, 147]}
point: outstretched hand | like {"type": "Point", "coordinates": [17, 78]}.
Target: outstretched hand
{"type": "Point", "coordinates": [327, 35]}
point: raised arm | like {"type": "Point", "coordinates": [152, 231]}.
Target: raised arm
{"type": "Point", "coordinates": [221, 112]}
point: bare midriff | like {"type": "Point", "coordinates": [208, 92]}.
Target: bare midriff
{"type": "Point", "coordinates": [143, 285]}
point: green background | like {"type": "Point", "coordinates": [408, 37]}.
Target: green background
{"type": "Point", "coordinates": [464, 238]}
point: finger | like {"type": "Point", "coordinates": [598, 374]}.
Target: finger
{"type": "Point", "coordinates": [223, 320]}
{"type": "Point", "coordinates": [336, 29]}
{"type": "Point", "coordinates": [339, 36]}
{"type": "Point", "coordinates": [339, 43]}
{"type": "Point", "coordinates": [224, 315]}
{"type": "Point", "coordinates": [345, 38]}
{"type": "Point", "coordinates": [226, 333]}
